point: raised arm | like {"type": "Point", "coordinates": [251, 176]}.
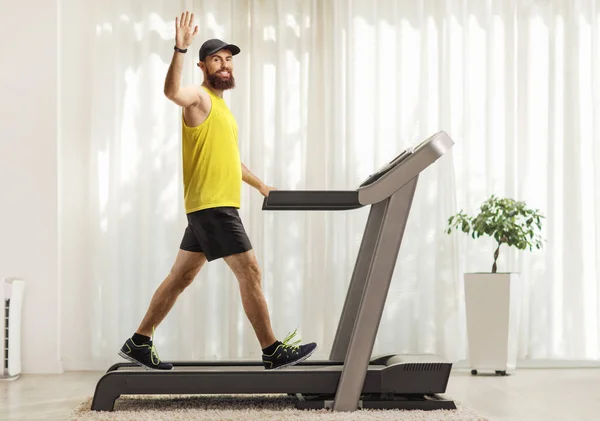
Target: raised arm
{"type": "Point", "coordinates": [184, 36]}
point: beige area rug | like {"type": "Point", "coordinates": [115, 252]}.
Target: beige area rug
{"type": "Point", "coordinates": [250, 407]}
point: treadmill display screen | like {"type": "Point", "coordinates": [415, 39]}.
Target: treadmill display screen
{"type": "Point", "coordinates": [384, 169]}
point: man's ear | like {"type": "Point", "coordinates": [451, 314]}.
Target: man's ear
{"type": "Point", "coordinates": [201, 65]}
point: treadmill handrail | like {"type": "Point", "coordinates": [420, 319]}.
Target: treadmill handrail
{"type": "Point", "coordinates": [306, 200]}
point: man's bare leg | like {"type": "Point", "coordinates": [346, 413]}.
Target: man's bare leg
{"type": "Point", "coordinates": [247, 271]}
{"type": "Point", "coordinates": [184, 271]}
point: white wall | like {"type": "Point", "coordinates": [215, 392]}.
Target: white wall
{"type": "Point", "coordinates": [75, 63]}
{"type": "Point", "coordinates": [29, 173]}
{"type": "Point", "coordinates": [44, 113]}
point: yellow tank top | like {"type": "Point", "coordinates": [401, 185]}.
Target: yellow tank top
{"type": "Point", "coordinates": [212, 168]}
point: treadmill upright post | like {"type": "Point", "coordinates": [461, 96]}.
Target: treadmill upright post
{"type": "Point", "coordinates": [394, 213]}
{"type": "Point", "coordinates": [354, 295]}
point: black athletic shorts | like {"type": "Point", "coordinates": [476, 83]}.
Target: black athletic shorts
{"type": "Point", "coordinates": [216, 232]}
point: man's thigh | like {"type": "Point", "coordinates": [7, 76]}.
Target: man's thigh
{"type": "Point", "coordinates": [244, 265]}
{"type": "Point", "coordinates": [220, 232]}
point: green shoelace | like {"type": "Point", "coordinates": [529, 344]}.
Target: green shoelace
{"type": "Point", "coordinates": [292, 345]}
{"type": "Point", "coordinates": [153, 352]}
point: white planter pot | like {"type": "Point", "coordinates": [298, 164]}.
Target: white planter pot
{"type": "Point", "coordinates": [493, 304]}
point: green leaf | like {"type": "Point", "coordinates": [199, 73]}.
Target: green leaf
{"type": "Point", "coordinates": [505, 220]}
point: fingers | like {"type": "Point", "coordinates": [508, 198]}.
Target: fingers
{"type": "Point", "coordinates": [195, 30]}
{"type": "Point", "coordinates": [185, 21]}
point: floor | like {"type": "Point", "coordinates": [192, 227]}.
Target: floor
{"type": "Point", "coordinates": [527, 395]}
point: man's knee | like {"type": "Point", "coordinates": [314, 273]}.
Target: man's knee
{"type": "Point", "coordinates": [254, 272]}
{"type": "Point", "coordinates": [250, 274]}
{"type": "Point", "coordinates": [183, 279]}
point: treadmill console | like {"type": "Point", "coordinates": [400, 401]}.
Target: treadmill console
{"type": "Point", "coordinates": [384, 169]}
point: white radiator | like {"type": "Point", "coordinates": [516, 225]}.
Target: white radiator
{"type": "Point", "coordinates": [11, 295]}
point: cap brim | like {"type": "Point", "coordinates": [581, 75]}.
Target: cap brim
{"type": "Point", "coordinates": [231, 47]}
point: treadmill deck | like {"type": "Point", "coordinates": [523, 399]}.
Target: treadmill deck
{"type": "Point", "coordinates": [385, 376]}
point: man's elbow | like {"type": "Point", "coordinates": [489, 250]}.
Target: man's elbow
{"type": "Point", "coordinates": [175, 97]}
{"type": "Point", "coordinates": [169, 93]}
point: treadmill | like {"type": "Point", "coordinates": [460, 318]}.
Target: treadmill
{"type": "Point", "coordinates": [352, 378]}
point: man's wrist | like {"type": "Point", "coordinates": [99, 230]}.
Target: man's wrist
{"type": "Point", "coordinates": [179, 49]}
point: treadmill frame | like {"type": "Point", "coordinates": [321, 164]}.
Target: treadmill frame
{"type": "Point", "coordinates": [354, 339]}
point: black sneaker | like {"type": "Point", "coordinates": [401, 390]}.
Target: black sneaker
{"type": "Point", "coordinates": [287, 355]}
{"type": "Point", "coordinates": [144, 355]}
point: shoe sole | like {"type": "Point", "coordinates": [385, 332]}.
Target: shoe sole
{"type": "Point", "coordinates": [295, 362]}
{"type": "Point", "coordinates": [144, 366]}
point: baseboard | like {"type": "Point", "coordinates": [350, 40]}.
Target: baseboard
{"type": "Point", "coordinates": [45, 368]}
{"type": "Point", "coordinates": [87, 365]}
{"type": "Point", "coordinates": [547, 364]}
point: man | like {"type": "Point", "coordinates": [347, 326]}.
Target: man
{"type": "Point", "coordinates": [212, 176]}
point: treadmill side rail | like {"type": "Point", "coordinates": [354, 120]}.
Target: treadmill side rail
{"type": "Point", "coordinates": [306, 200]}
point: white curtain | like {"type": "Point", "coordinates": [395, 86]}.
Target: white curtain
{"type": "Point", "coordinates": [328, 91]}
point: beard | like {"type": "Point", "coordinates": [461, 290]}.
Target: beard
{"type": "Point", "coordinates": [219, 83]}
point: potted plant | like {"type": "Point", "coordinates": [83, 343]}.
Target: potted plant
{"type": "Point", "coordinates": [493, 299]}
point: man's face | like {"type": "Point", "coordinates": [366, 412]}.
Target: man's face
{"type": "Point", "coordinates": [218, 70]}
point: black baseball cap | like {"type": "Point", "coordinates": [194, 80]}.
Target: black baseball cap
{"type": "Point", "coordinates": [213, 45]}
